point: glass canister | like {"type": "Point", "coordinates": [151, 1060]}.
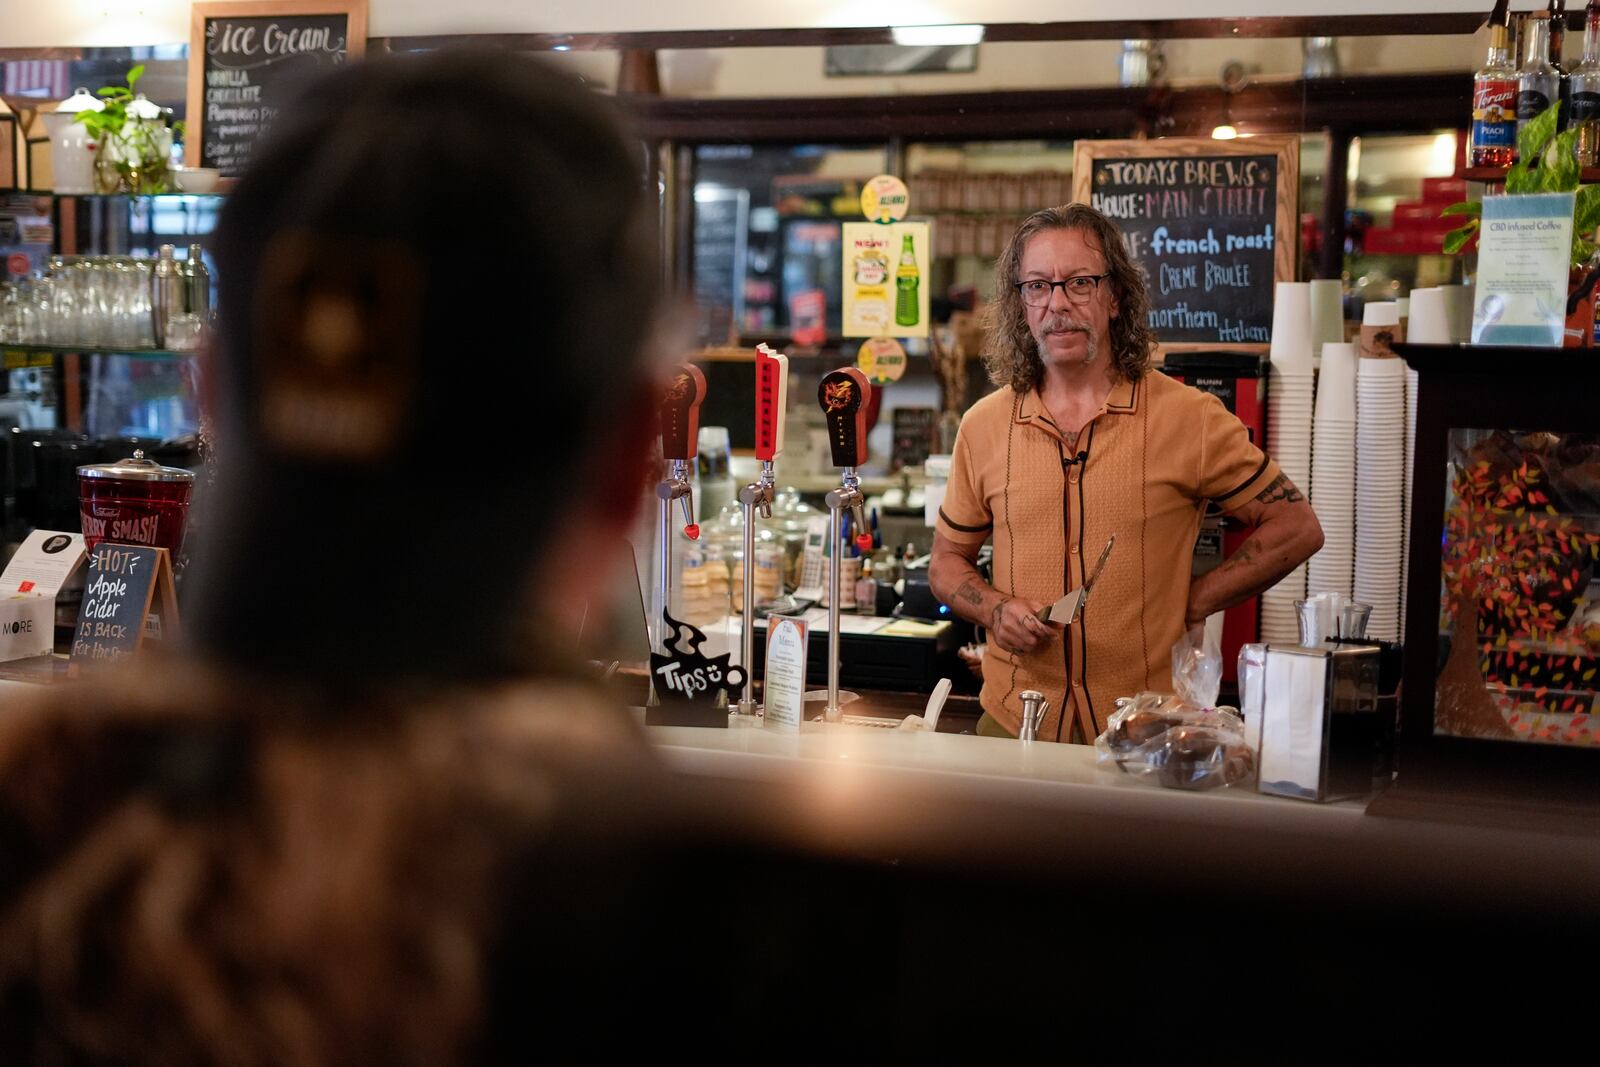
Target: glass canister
{"type": "Point", "coordinates": [134, 502]}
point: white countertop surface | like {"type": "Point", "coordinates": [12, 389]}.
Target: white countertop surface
{"type": "Point", "coordinates": [837, 756]}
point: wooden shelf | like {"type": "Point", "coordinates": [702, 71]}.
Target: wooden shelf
{"type": "Point", "coordinates": [1497, 175]}
{"type": "Point", "coordinates": [15, 355]}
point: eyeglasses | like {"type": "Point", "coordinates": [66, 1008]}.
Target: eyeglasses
{"type": "Point", "coordinates": [1036, 292]}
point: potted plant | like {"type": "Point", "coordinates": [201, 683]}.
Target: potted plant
{"type": "Point", "coordinates": [1547, 162]}
{"type": "Point", "coordinates": [133, 143]}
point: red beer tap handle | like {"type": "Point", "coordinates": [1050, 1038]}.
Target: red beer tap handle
{"type": "Point", "coordinates": [843, 395]}
{"type": "Point", "coordinates": [864, 543]}
{"type": "Point", "coordinates": [680, 413]}
{"type": "Point", "coordinates": [772, 398]}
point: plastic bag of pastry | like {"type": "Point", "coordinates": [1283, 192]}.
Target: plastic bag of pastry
{"type": "Point", "coordinates": [1183, 747]}
{"type": "Point", "coordinates": [1197, 667]}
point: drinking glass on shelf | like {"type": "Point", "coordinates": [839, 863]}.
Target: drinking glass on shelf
{"type": "Point", "coordinates": [183, 332]}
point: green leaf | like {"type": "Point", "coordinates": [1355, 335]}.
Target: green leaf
{"type": "Point", "coordinates": [1582, 251]}
{"type": "Point", "coordinates": [1456, 240]}
{"type": "Point", "coordinates": [1558, 168]}
{"type": "Point", "coordinates": [108, 90]}
{"type": "Point", "coordinates": [1468, 207]}
{"type": "Point", "coordinates": [1521, 178]}
{"type": "Point", "coordinates": [138, 72]}
{"type": "Point", "coordinates": [1586, 213]}
{"type": "Point", "coordinates": [1534, 134]}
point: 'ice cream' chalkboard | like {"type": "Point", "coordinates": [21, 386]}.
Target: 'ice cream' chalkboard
{"type": "Point", "coordinates": [247, 59]}
{"type": "Point", "coordinates": [1213, 224]}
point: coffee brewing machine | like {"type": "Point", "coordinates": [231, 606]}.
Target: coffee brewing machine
{"type": "Point", "coordinates": [772, 398]}
{"type": "Point", "coordinates": [843, 395]}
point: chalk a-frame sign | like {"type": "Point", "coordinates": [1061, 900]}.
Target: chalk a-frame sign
{"type": "Point", "coordinates": [1214, 224]}
{"type": "Point", "coordinates": [128, 596]}
{"type": "Point", "coordinates": [246, 60]}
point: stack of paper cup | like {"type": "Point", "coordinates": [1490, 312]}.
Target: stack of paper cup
{"type": "Point", "coordinates": [1289, 413]}
{"type": "Point", "coordinates": [1459, 299]}
{"type": "Point", "coordinates": [1291, 325]}
{"type": "Point", "coordinates": [1380, 491]}
{"type": "Point", "coordinates": [1430, 322]}
{"type": "Point", "coordinates": [1433, 322]}
{"type": "Point", "coordinates": [1327, 313]}
{"type": "Point", "coordinates": [1333, 472]}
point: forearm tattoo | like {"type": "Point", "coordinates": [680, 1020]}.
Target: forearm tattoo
{"type": "Point", "coordinates": [969, 593]}
{"type": "Point", "coordinates": [1280, 488]}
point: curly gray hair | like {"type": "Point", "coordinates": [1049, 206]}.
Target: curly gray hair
{"type": "Point", "coordinates": [1010, 351]}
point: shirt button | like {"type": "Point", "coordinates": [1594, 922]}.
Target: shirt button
{"type": "Point", "coordinates": [1073, 477]}
{"type": "Point", "coordinates": [1077, 685]}
{"type": "Point", "coordinates": [1074, 550]}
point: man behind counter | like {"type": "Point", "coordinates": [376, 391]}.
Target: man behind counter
{"type": "Point", "coordinates": [1083, 441]}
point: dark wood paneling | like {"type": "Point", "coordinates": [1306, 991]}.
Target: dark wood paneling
{"type": "Point", "coordinates": [1377, 104]}
{"type": "Point", "coordinates": [1160, 29]}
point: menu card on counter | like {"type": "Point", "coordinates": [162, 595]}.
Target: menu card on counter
{"type": "Point", "coordinates": [1213, 224]}
{"type": "Point", "coordinates": [247, 60]}
{"type": "Point", "coordinates": [28, 590]}
{"type": "Point", "coordinates": [1524, 245]}
{"type": "Point", "coordinates": [42, 564]}
{"type": "Point", "coordinates": [128, 596]}
{"type": "Point", "coordinates": [784, 688]}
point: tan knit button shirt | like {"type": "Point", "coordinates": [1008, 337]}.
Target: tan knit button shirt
{"type": "Point", "coordinates": [1145, 466]}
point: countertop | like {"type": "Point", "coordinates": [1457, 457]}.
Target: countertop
{"type": "Point", "coordinates": [829, 755]}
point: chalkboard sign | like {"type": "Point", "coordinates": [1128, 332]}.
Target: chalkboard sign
{"type": "Point", "coordinates": [730, 393]}
{"type": "Point", "coordinates": [124, 584]}
{"type": "Point", "coordinates": [721, 224]}
{"type": "Point", "coordinates": [247, 59]}
{"type": "Point", "coordinates": [1213, 224]}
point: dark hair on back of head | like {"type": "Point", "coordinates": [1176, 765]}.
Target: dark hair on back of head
{"type": "Point", "coordinates": [512, 198]}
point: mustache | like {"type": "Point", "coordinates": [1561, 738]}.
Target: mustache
{"type": "Point", "coordinates": [1058, 323]}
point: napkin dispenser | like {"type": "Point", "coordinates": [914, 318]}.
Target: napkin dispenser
{"type": "Point", "coordinates": [1325, 733]}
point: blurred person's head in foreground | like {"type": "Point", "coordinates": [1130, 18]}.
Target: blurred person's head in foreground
{"type": "Point", "coordinates": [432, 405]}
{"type": "Point", "coordinates": [432, 408]}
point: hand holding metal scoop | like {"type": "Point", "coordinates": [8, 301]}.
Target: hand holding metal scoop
{"type": "Point", "coordinates": [1066, 610]}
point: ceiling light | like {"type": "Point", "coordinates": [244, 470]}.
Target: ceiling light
{"type": "Point", "coordinates": [1225, 132]}
{"type": "Point", "coordinates": [937, 36]}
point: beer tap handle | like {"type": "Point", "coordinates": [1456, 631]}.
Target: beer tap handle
{"type": "Point", "coordinates": [680, 434]}
{"type": "Point", "coordinates": [772, 399]}
{"type": "Point", "coordinates": [680, 413]}
{"type": "Point", "coordinates": [843, 395]}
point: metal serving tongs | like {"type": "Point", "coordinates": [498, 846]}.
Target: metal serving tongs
{"type": "Point", "coordinates": [1066, 610]}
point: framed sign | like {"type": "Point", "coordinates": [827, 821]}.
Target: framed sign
{"type": "Point", "coordinates": [1214, 224]}
{"type": "Point", "coordinates": [247, 59]}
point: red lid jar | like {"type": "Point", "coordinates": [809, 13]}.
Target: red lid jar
{"type": "Point", "coordinates": [134, 502]}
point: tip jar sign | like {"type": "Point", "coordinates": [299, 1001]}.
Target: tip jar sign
{"type": "Point", "coordinates": [885, 274]}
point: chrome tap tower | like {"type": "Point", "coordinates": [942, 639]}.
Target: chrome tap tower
{"type": "Point", "coordinates": [843, 395]}
{"type": "Point", "coordinates": [772, 397]}
{"type": "Point", "coordinates": [680, 436]}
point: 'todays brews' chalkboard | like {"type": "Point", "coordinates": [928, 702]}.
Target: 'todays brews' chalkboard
{"type": "Point", "coordinates": [247, 59]}
{"type": "Point", "coordinates": [1211, 222]}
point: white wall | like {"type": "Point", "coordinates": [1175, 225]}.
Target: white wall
{"type": "Point", "coordinates": [45, 23]}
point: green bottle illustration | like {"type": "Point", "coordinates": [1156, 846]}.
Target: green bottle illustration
{"type": "Point", "coordinates": [907, 280]}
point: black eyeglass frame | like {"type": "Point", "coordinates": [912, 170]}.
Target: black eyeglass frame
{"type": "Point", "coordinates": [1066, 285]}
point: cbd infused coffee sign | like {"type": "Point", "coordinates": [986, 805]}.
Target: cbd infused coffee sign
{"type": "Point", "coordinates": [1210, 222]}
{"type": "Point", "coordinates": [246, 60]}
